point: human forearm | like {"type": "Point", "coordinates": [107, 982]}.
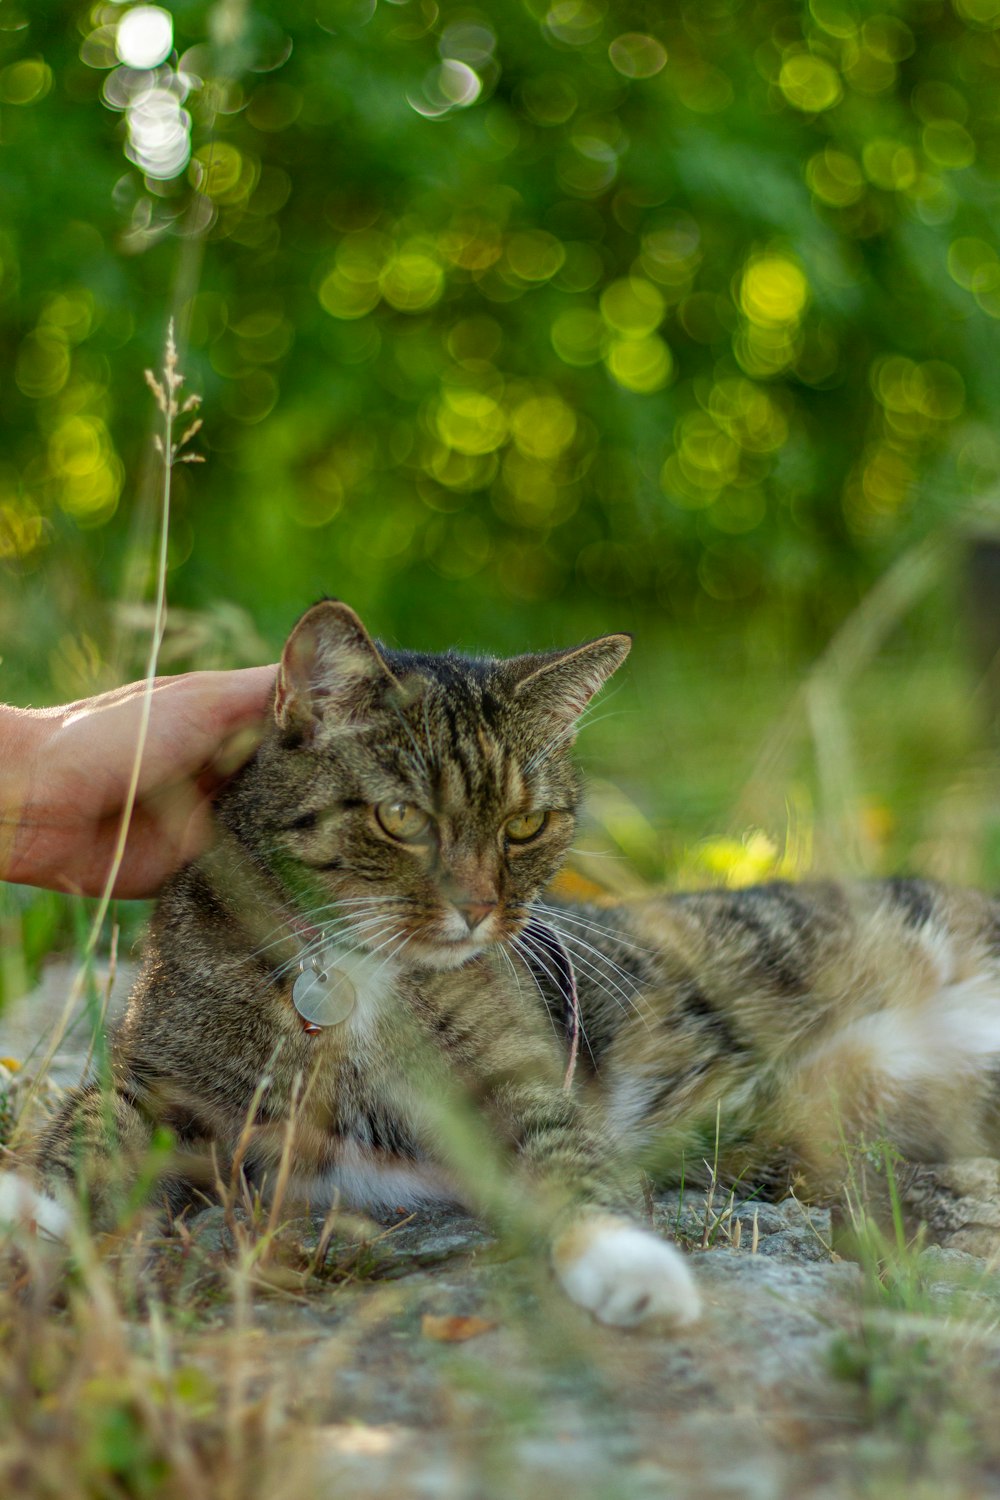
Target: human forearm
{"type": "Point", "coordinates": [25, 816]}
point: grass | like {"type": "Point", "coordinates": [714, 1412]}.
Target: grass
{"type": "Point", "coordinates": [250, 1354]}
{"type": "Point", "coordinates": [925, 1349]}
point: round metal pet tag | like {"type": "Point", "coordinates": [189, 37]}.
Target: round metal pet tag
{"type": "Point", "coordinates": [324, 996]}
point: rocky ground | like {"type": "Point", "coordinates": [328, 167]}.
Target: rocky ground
{"type": "Point", "coordinates": [417, 1359]}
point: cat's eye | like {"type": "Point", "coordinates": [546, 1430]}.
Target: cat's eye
{"type": "Point", "coordinates": [525, 826]}
{"type": "Point", "coordinates": [401, 820]}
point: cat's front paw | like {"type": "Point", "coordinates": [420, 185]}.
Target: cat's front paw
{"type": "Point", "coordinates": [625, 1275]}
{"type": "Point", "coordinates": [23, 1208]}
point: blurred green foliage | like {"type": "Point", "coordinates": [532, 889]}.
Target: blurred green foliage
{"type": "Point", "coordinates": [580, 310]}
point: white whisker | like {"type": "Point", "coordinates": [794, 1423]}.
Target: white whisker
{"type": "Point", "coordinates": [532, 954]}
{"type": "Point", "coordinates": [319, 945]}
{"type": "Point", "coordinates": [625, 999]}
{"type": "Point", "coordinates": [525, 959]}
{"type": "Point", "coordinates": [557, 914]}
{"type": "Point", "coordinates": [582, 951]}
{"type": "Point", "coordinates": [582, 721]}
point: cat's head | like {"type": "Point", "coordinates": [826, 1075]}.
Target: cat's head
{"type": "Point", "coordinates": [431, 796]}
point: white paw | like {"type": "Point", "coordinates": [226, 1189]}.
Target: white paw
{"type": "Point", "coordinates": [625, 1275]}
{"type": "Point", "coordinates": [22, 1206]}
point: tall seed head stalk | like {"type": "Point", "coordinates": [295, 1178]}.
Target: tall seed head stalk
{"type": "Point", "coordinates": [167, 394]}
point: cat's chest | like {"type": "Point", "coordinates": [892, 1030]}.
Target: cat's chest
{"type": "Point", "coordinates": [341, 993]}
{"type": "Point", "coordinates": [359, 1174]}
{"type": "Point", "coordinates": [365, 1150]}
{"type": "Point", "coordinates": [357, 1142]}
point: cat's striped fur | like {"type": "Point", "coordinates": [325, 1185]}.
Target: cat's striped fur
{"type": "Point", "coordinates": [763, 1031]}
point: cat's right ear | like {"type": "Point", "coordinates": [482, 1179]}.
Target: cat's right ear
{"type": "Point", "coordinates": [330, 673]}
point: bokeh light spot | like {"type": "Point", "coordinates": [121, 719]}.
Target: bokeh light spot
{"type": "Point", "coordinates": [636, 55]}
{"type": "Point", "coordinates": [413, 279]}
{"type": "Point", "coordinates": [25, 82]}
{"type": "Point", "coordinates": [69, 314]}
{"type": "Point", "coordinates": [472, 41]}
{"type": "Point", "coordinates": [887, 38]}
{"type": "Point", "coordinates": [948, 144]}
{"type": "Point", "coordinates": [640, 364]}
{"type": "Point", "coordinates": [347, 299]}
{"type": "Point", "coordinates": [889, 164]}
{"type": "Point", "coordinates": [738, 511]}
{"type": "Point", "coordinates": [535, 255]}
{"type": "Point", "coordinates": [703, 88]}
{"type": "Point", "coordinates": [462, 472]}
{"type": "Point", "coordinates": [219, 171]}
{"type": "Point", "coordinates": [88, 473]}
{"type": "Point", "coordinates": [749, 414]}
{"type": "Point", "coordinates": [979, 13]}
{"type": "Point", "coordinates": [968, 259]}
{"type": "Point", "coordinates": [77, 447]}
{"type": "Point", "coordinates": [460, 84]}
{"type": "Point", "coordinates": [773, 291]}
{"type": "Point", "coordinates": [632, 306]}
{"type": "Point", "coordinates": [477, 338]}
{"type": "Point", "coordinates": [886, 477]}
{"type": "Point", "coordinates": [729, 571]}
{"type": "Point", "coordinates": [574, 22]}
{"type": "Point", "coordinates": [21, 529]}
{"type": "Point", "coordinates": [533, 493]}
{"type": "Point", "coordinates": [145, 36]}
{"type": "Point", "coordinates": [159, 132]}
{"type": "Point", "coordinates": [43, 365]}
{"type": "Point", "coordinates": [543, 426]}
{"type": "Point", "coordinates": [932, 390]}
{"type": "Point", "coordinates": [671, 255]}
{"type": "Point", "coordinates": [987, 292]}
{"type": "Point", "coordinates": [835, 178]}
{"type": "Point", "coordinates": [834, 17]}
{"type": "Point", "coordinates": [810, 83]}
{"type": "Point", "coordinates": [470, 421]}
{"type": "Point", "coordinates": [939, 391]}
{"type": "Point", "coordinates": [363, 256]}
{"type": "Point", "coordinates": [579, 336]}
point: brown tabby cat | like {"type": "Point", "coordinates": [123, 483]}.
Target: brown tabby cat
{"type": "Point", "coordinates": [365, 953]}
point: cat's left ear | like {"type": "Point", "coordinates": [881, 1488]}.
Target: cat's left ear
{"type": "Point", "coordinates": [561, 684]}
{"type": "Point", "coordinates": [330, 670]}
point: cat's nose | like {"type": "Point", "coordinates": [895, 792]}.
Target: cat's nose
{"type": "Point", "coordinates": [475, 912]}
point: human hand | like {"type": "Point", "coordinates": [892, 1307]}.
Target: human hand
{"type": "Point", "coordinates": [65, 774]}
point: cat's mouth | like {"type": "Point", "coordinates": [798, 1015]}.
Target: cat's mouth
{"type": "Point", "coordinates": [449, 942]}
{"type": "Point", "coordinates": [445, 953]}
{"type": "Point", "coordinates": [445, 949]}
